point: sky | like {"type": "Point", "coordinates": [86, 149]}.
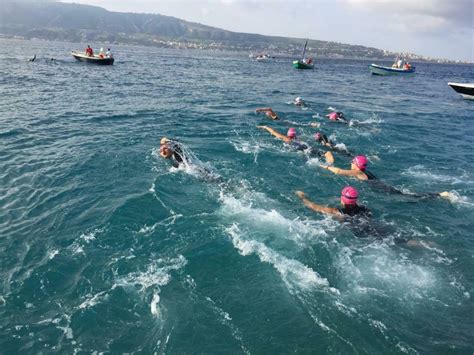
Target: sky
{"type": "Point", "coordinates": [435, 28]}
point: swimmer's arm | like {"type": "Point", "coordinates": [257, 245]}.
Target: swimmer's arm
{"type": "Point", "coordinates": [263, 109]}
{"type": "Point", "coordinates": [275, 133]}
{"type": "Point", "coordinates": [315, 207]}
{"type": "Point", "coordinates": [339, 171]}
{"type": "Point", "coordinates": [329, 158]}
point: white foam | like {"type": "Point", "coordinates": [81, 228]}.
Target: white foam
{"type": "Point", "coordinates": [292, 272]}
{"type": "Point", "coordinates": [373, 119]}
{"type": "Point", "coordinates": [67, 332]}
{"type": "Point", "coordinates": [92, 300]}
{"type": "Point", "coordinates": [247, 148]}
{"type": "Point", "coordinates": [455, 198]}
{"type": "Point", "coordinates": [423, 173]}
{"type": "Point", "coordinates": [147, 230]}
{"type": "Point", "coordinates": [53, 253]}
{"type": "Point", "coordinates": [341, 146]}
{"type": "Point", "coordinates": [226, 320]}
{"type": "Point", "coordinates": [293, 229]}
{"type": "Point", "coordinates": [157, 273]}
{"type": "Point", "coordinates": [90, 236]}
{"type": "Point", "coordinates": [155, 310]}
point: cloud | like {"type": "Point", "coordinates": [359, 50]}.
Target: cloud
{"type": "Point", "coordinates": [422, 15]}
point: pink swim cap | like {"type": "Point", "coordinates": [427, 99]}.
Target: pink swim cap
{"type": "Point", "coordinates": [291, 133]}
{"type": "Point", "coordinates": [333, 116]}
{"type": "Point", "coordinates": [360, 161]}
{"type": "Point", "coordinates": [349, 195]}
{"type": "Point", "coordinates": [317, 136]}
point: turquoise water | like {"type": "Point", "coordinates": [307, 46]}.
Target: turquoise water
{"type": "Point", "coordinates": [105, 247]}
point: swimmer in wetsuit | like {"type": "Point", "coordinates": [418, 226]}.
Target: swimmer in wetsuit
{"type": "Point", "coordinates": [299, 102]}
{"type": "Point", "coordinates": [359, 171]}
{"type": "Point", "coordinates": [291, 140]}
{"type": "Point", "coordinates": [337, 116]}
{"type": "Point", "coordinates": [349, 208]}
{"type": "Point", "coordinates": [358, 217]}
{"type": "Point", "coordinates": [171, 149]}
{"type": "Point", "coordinates": [268, 112]}
{"type": "Point", "coordinates": [324, 141]}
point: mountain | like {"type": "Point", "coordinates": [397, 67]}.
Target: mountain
{"type": "Point", "coordinates": [83, 23]}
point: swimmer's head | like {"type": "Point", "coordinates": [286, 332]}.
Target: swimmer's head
{"type": "Point", "coordinates": [349, 195]}
{"type": "Point", "coordinates": [291, 133]}
{"type": "Point", "coordinates": [166, 151]}
{"type": "Point", "coordinates": [360, 161]}
{"type": "Point", "coordinates": [318, 136]}
{"type": "Point", "coordinates": [335, 115]}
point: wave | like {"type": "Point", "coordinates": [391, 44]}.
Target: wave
{"type": "Point", "coordinates": [423, 173]}
{"type": "Point", "coordinates": [293, 273]}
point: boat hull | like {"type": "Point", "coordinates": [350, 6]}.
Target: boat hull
{"type": "Point", "coordinates": [466, 90]}
{"type": "Point", "coordinates": [93, 60]}
{"type": "Point", "coordinates": [298, 64]}
{"type": "Point", "coordinates": [381, 70]}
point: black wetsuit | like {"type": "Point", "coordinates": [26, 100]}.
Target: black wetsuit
{"type": "Point", "coordinates": [358, 218]}
{"type": "Point", "coordinates": [374, 181]}
{"type": "Point", "coordinates": [178, 156]}
{"type": "Point", "coordinates": [303, 147]}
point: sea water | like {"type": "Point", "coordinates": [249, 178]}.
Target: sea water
{"type": "Point", "coordinates": [106, 247]}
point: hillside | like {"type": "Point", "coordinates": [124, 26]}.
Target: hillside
{"type": "Point", "coordinates": [84, 23]}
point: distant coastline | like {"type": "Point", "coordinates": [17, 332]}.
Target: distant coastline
{"type": "Point", "coordinates": [83, 23]}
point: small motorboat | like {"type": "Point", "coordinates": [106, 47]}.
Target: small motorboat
{"type": "Point", "coordinates": [95, 59]}
{"type": "Point", "coordinates": [381, 70]}
{"type": "Point", "coordinates": [262, 58]}
{"type": "Point", "coordinates": [466, 90]}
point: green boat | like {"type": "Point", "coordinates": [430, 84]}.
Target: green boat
{"type": "Point", "coordinates": [299, 64]}
{"type": "Point", "coordinates": [303, 63]}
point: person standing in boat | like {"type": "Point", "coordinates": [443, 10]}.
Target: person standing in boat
{"type": "Point", "coordinates": [89, 51]}
{"type": "Point", "coordinates": [108, 54]}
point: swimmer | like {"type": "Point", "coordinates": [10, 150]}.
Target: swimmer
{"type": "Point", "coordinates": [358, 216]}
{"type": "Point", "coordinates": [171, 149]}
{"type": "Point", "coordinates": [290, 137]}
{"type": "Point", "coordinates": [349, 204]}
{"type": "Point", "coordinates": [359, 171]}
{"type": "Point", "coordinates": [325, 142]}
{"type": "Point", "coordinates": [268, 112]}
{"type": "Point", "coordinates": [337, 116]}
{"type": "Point", "coordinates": [299, 102]}
{"type": "Point", "coordinates": [32, 59]}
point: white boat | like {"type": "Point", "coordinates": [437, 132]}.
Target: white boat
{"type": "Point", "coordinates": [466, 90]}
{"type": "Point", "coordinates": [262, 58]}
{"type": "Point", "coordinates": [381, 70]}
{"type": "Point", "coordinates": [95, 59]}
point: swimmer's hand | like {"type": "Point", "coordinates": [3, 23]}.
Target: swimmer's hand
{"type": "Point", "coordinates": [444, 194]}
{"type": "Point", "coordinates": [300, 194]}
{"type": "Point", "coordinates": [315, 124]}
{"type": "Point", "coordinates": [262, 127]}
